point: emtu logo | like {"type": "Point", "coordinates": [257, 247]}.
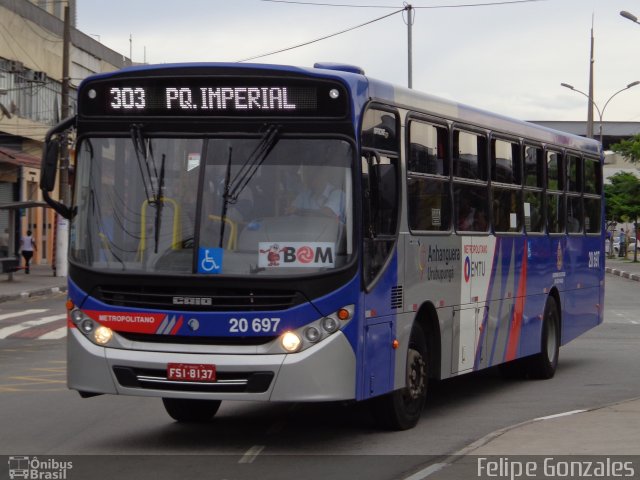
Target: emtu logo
{"type": "Point", "coordinates": [467, 269]}
{"type": "Point", "coordinates": [474, 269]}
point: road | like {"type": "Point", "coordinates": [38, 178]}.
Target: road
{"type": "Point", "coordinates": [40, 416]}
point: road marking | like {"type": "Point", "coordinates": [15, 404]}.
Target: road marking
{"type": "Point", "coordinates": [54, 334]}
{"type": "Point", "coordinates": [22, 313]}
{"type": "Point", "coordinates": [425, 472]}
{"type": "Point", "coordinates": [634, 322]}
{"type": "Point", "coordinates": [6, 331]}
{"type": "Point", "coordinates": [558, 415]}
{"type": "Point", "coordinates": [251, 454]}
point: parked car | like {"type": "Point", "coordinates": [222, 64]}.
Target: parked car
{"type": "Point", "coordinates": [630, 247]}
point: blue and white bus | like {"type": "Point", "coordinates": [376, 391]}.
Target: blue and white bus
{"type": "Point", "coordinates": [283, 234]}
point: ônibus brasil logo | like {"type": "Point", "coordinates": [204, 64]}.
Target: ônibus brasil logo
{"type": "Point", "coordinates": [32, 468]}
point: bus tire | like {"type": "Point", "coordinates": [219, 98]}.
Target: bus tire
{"type": "Point", "coordinates": [543, 365]}
{"type": "Point", "coordinates": [401, 409]}
{"type": "Point", "coordinates": [190, 410]}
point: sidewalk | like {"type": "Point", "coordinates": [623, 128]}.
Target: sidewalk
{"type": "Point", "coordinates": [38, 283]}
{"type": "Point", "coordinates": [623, 267]}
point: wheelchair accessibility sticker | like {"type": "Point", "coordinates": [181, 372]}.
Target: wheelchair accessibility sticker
{"type": "Point", "coordinates": [210, 260]}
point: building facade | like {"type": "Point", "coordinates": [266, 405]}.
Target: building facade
{"type": "Point", "coordinates": [31, 52]}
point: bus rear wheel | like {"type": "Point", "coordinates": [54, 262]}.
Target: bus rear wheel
{"type": "Point", "coordinates": [543, 365]}
{"type": "Point", "coordinates": [190, 410]}
{"type": "Point", "coordinates": [401, 409]}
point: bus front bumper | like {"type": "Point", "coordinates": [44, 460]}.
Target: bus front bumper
{"type": "Point", "coordinates": [323, 372]}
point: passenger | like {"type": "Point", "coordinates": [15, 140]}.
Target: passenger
{"type": "Point", "coordinates": [319, 195]}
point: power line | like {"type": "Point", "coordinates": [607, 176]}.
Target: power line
{"type": "Point", "coordinates": [321, 38]}
{"type": "Point", "coordinates": [28, 23]}
{"type": "Point", "coordinates": [330, 4]}
{"type": "Point", "coordinates": [350, 5]}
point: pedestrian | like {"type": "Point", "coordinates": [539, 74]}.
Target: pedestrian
{"type": "Point", "coordinates": [28, 247]}
{"type": "Point", "coordinates": [622, 239]}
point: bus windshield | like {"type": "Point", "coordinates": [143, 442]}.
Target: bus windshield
{"type": "Point", "coordinates": [230, 206]}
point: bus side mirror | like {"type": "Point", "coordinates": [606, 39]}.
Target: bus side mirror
{"type": "Point", "coordinates": [49, 165]}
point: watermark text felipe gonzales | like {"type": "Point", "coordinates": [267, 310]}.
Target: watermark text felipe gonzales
{"type": "Point", "coordinates": [554, 467]}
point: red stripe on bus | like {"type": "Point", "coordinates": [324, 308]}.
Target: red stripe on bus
{"type": "Point", "coordinates": [175, 329]}
{"type": "Point", "coordinates": [516, 323]}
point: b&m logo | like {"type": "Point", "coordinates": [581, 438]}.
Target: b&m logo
{"type": "Point", "coordinates": [296, 254]}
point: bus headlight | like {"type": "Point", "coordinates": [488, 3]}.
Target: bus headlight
{"type": "Point", "coordinates": [316, 331]}
{"type": "Point", "coordinates": [291, 342]}
{"type": "Point", "coordinates": [102, 335]}
{"type": "Point", "coordinates": [77, 316]}
{"type": "Point", "coordinates": [87, 325]}
{"type": "Point", "coordinates": [312, 334]}
{"type": "Point", "coordinates": [330, 324]}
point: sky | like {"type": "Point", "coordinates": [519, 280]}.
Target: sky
{"type": "Point", "coordinates": [509, 59]}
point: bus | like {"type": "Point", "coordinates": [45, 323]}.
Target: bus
{"type": "Point", "coordinates": [284, 234]}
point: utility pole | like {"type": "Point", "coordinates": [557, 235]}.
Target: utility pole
{"type": "Point", "coordinates": [64, 161]}
{"type": "Point", "coordinates": [590, 106]}
{"type": "Point", "coordinates": [409, 10]}
{"type": "Point", "coordinates": [62, 224]}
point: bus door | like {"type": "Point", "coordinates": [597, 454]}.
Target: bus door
{"type": "Point", "coordinates": [383, 288]}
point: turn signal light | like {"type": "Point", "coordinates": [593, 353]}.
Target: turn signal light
{"type": "Point", "coordinates": [343, 314]}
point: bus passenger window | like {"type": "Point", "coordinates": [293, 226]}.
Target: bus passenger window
{"type": "Point", "coordinates": [555, 213]}
{"type": "Point", "coordinates": [505, 162]}
{"type": "Point", "coordinates": [554, 171]}
{"type": "Point", "coordinates": [429, 204]}
{"type": "Point", "coordinates": [428, 149]}
{"type": "Point", "coordinates": [533, 206]}
{"type": "Point", "coordinates": [574, 214]}
{"type": "Point", "coordinates": [469, 155]}
{"type": "Point", "coordinates": [471, 208]}
{"type": "Point", "coordinates": [506, 210]}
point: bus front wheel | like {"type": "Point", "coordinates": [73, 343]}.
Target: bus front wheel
{"type": "Point", "coordinates": [401, 409]}
{"type": "Point", "coordinates": [190, 410]}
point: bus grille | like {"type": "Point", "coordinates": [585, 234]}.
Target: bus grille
{"type": "Point", "coordinates": [197, 299]}
{"type": "Point", "coordinates": [226, 382]}
{"type": "Point", "coordinates": [184, 340]}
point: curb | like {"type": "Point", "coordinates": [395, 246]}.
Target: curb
{"type": "Point", "coordinates": [43, 292]}
{"type": "Point", "coordinates": [622, 273]}
{"type": "Point", "coordinates": [469, 449]}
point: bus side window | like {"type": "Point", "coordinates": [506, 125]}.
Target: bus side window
{"type": "Point", "coordinates": [380, 215]}
{"type": "Point", "coordinates": [574, 190]}
{"type": "Point", "coordinates": [554, 193]}
{"type": "Point", "coordinates": [429, 194]}
{"type": "Point", "coordinates": [592, 195]}
{"type": "Point", "coordinates": [533, 189]}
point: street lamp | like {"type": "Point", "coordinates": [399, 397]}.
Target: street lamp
{"type": "Point", "coordinates": [600, 112]}
{"type": "Point", "coordinates": [629, 16]}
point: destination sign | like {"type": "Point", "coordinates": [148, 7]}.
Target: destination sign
{"type": "Point", "coordinates": [212, 96]}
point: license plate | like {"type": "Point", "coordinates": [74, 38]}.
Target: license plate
{"type": "Point", "coordinates": [190, 372]}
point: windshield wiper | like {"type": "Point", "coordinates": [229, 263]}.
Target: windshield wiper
{"type": "Point", "coordinates": [234, 187]}
{"type": "Point", "coordinates": [251, 165]}
{"type": "Point", "coordinates": [152, 182]}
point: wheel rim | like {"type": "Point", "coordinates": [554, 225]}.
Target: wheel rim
{"type": "Point", "coordinates": [416, 376]}
{"type": "Point", "coordinates": [552, 339]}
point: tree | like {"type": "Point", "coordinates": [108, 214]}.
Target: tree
{"type": "Point", "coordinates": [622, 199]}
{"type": "Point", "coordinates": [629, 148]}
